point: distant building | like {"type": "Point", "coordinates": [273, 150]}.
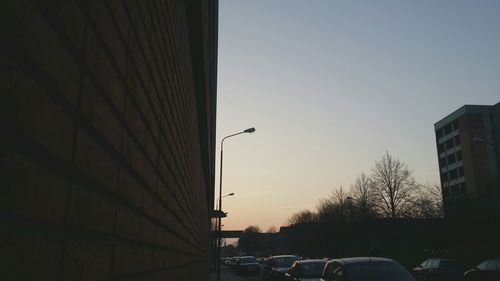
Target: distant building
{"type": "Point", "coordinates": [468, 145]}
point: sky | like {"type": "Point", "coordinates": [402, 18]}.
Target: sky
{"type": "Point", "coordinates": [331, 85]}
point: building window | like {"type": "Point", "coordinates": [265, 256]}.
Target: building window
{"type": "Point", "coordinates": [444, 176]}
{"type": "Point", "coordinates": [447, 129]}
{"type": "Point", "coordinates": [457, 140]}
{"type": "Point", "coordinates": [451, 159]}
{"type": "Point", "coordinates": [455, 125]}
{"type": "Point", "coordinates": [453, 174]}
{"type": "Point", "coordinates": [442, 162]}
{"type": "Point", "coordinates": [449, 144]}
{"type": "Point", "coordinates": [454, 190]}
{"type": "Point", "coordinates": [441, 147]}
{"type": "Point", "coordinates": [461, 171]}
{"type": "Point", "coordinates": [459, 155]}
{"type": "Point", "coordinates": [439, 133]}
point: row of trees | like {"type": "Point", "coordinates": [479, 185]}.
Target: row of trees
{"type": "Point", "coordinates": [389, 191]}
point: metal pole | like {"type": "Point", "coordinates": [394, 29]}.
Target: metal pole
{"type": "Point", "coordinates": [219, 233]}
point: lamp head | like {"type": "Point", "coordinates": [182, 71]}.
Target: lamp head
{"type": "Point", "coordinates": [231, 194]}
{"type": "Point", "coordinates": [250, 130]}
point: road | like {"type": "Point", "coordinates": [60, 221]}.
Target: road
{"type": "Point", "coordinates": [228, 275]}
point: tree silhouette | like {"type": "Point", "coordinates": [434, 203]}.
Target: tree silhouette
{"type": "Point", "coordinates": [304, 216]}
{"type": "Point", "coordinates": [394, 187]}
{"type": "Point", "coordinates": [249, 241]}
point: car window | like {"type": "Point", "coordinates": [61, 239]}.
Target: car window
{"type": "Point", "coordinates": [482, 266]}
{"type": "Point", "coordinates": [248, 260]}
{"type": "Point", "coordinates": [378, 271]}
{"type": "Point", "coordinates": [312, 269]}
{"type": "Point", "coordinates": [493, 265]}
{"type": "Point", "coordinates": [448, 264]}
{"type": "Point", "coordinates": [425, 264]}
{"type": "Point", "coordinates": [434, 263]}
{"type": "Point", "coordinates": [338, 274]}
{"type": "Point", "coordinates": [284, 261]}
{"type": "Point", "coordinates": [328, 271]}
{"type": "Point", "coordinates": [451, 265]}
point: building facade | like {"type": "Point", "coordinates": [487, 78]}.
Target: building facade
{"type": "Point", "coordinates": [468, 146]}
{"type": "Point", "coordinates": [107, 121]}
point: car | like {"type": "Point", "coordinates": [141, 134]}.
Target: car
{"type": "Point", "coordinates": [309, 269]}
{"type": "Point", "coordinates": [276, 266]}
{"type": "Point", "coordinates": [226, 261]}
{"type": "Point", "coordinates": [438, 269]}
{"type": "Point", "coordinates": [488, 270]}
{"type": "Point", "coordinates": [365, 269]}
{"type": "Point", "coordinates": [247, 265]}
{"type": "Point", "coordinates": [232, 262]}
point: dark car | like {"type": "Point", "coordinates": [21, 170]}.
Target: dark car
{"type": "Point", "coordinates": [437, 269]}
{"type": "Point", "coordinates": [276, 266]}
{"type": "Point", "coordinates": [488, 270]}
{"type": "Point", "coordinates": [303, 270]}
{"type": "Point", "coordinates": [365, 269]}
{"type": "Point", "coordinates": [247, 265]}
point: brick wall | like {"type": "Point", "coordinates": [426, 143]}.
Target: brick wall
{"type": "Point", "coordinates": [107, 118]}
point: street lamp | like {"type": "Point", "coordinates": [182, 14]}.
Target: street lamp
{"type": "Point", "coordinates": [230, 194]}
{"type": "Point", "coordinates": [481, 140]}
{"type": "Point", "coordinates": [249, 130]}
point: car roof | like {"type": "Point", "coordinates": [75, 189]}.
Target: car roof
{"type": "Point", "coordinates": [311, 261]}
{"type": "Point", "coordinates": [441, 259]}
{"type": "Point", "coordinates": [353, 260]}
{"type": "Point", "coordinates": [284, 256]}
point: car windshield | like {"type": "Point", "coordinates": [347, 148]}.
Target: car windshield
{"type": "Point", "coordinates": [451, 265]}
{"type": "Point", "coordinates": [378, 271]}
{"type": "Point", "coordinates": [248, 260]}
{"type": "Point", "coordinates": [312, 269]}
{"type": "Point", "coordinates": [284, 261]}
{"type": "Point", "coordinates": [493, 265]}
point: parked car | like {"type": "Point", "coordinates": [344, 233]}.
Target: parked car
{"type": "Point", "coordinates": [365, 269]}
{"type": "Point", "coordinates": [276, 266]}
{"type": "Point", "coordinates": [303, 270]}
{"type": "Point", "coordinates": [232, 262]}
{"type": "Point", "coordinates": [247, 265]}
{"type": "Point", "coordinates": [436, 269]}
{"type": "Point", "coordinates": [488, 270]}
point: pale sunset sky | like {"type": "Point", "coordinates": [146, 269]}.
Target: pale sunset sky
{"type": "Point", "coordinates": [331, 85]}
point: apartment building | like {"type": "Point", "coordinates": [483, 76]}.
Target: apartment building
{"type": "Point", "coordinates": [468, 142]}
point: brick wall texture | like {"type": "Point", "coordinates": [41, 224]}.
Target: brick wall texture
{"type": "Point", "coordinates": [107, 118]}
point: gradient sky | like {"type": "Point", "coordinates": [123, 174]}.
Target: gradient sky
{"type": "Point", "coordinates": [331, 85]}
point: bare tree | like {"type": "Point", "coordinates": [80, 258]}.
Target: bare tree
{"type": "Point", "coordinates": [304, 216]}
{"type": "Point", "coordinates": [272, 229]}
{"type": "Point", "coordinates": [252, 229]}
{"type": "Point", "coordinates": [362, 191]}
{"type": "Point", "coordinates": [394, 187]}
{"type": "Point", "coordinates": [428, 202]}
{"type": "Point", "coordinates": [335, 208]}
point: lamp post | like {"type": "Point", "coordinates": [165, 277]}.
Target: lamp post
{"type": "Point", "coordinates": [219, 238]}
{"type": "Point", "coordinates": [230, 194]}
